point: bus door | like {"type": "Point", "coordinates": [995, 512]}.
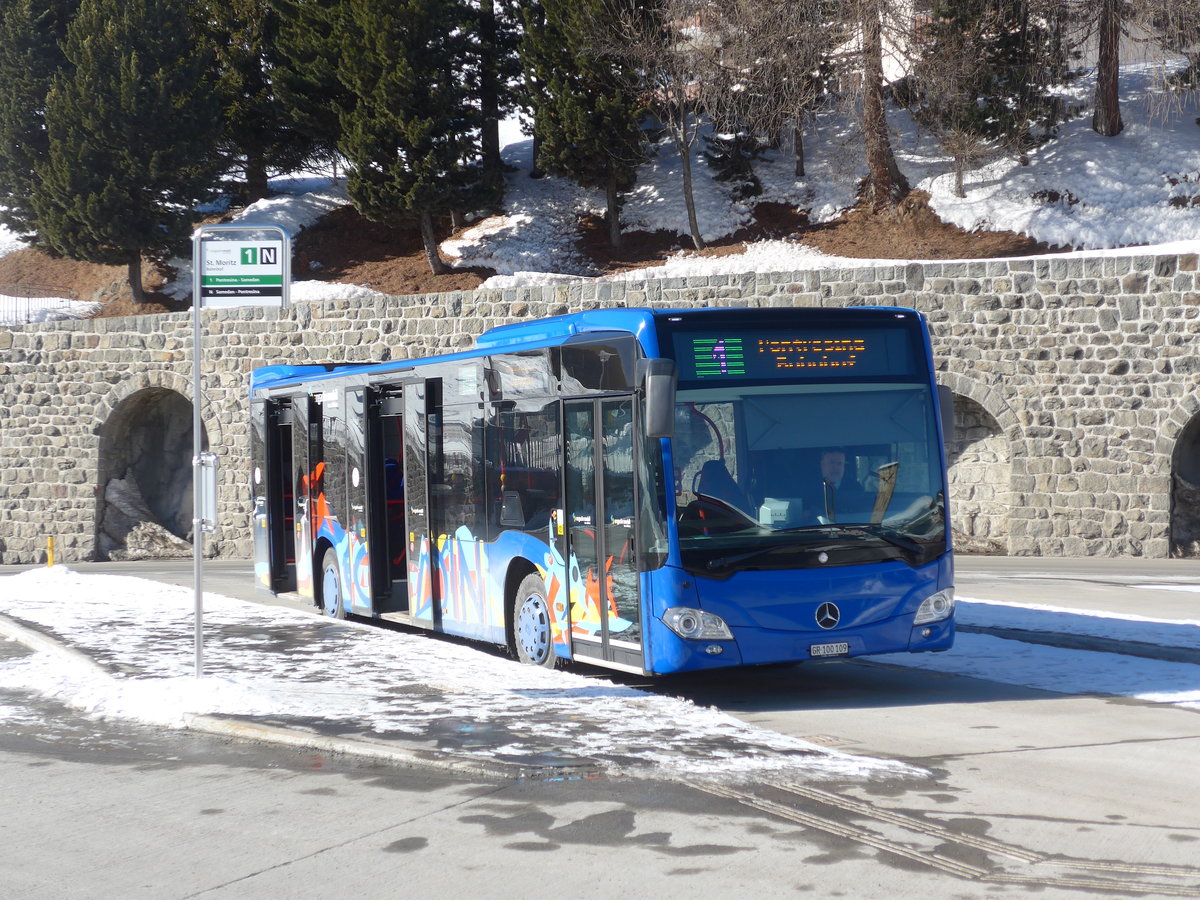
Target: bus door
{"type": "Point", "coordinates": [274, 504]}
{"type": "Point", "coordinates": [385, 500]}
{"type": "Point", "coordinates": [422, 460]}
{"type": "Point", "coordinates": [306, 447]}
{"type": "Point", "coordinates": [599, 506]}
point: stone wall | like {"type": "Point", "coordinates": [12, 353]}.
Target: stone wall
{"type": "Point", "coordinates": [1078, 377]}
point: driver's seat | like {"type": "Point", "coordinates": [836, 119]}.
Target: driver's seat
{"type": "Point", "coordinates": [713, 480]}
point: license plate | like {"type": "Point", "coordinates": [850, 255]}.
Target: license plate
{"type": "Point", "coordinates": [839, 649]}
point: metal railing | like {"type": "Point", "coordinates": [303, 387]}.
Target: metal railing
{"type": "Point", "coordinates": [23, 303]}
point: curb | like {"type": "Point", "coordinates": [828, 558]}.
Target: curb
{"type": "Point", "coordinates": [302, 738]}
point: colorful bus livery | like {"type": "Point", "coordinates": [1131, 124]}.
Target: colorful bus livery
{"type": "Point", "coordinates": [648, 490]}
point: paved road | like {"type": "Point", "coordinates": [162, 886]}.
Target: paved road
{"type": "Point", "coordinates": [1014, 792]}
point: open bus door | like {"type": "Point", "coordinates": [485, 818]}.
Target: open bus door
{"type": "Point", "coordinates": [274, 504]}
{"type": "Point", "coordinates": [306, 444]}
{"type": "Point", "coordinates": [606, 622]}
{"type": "Point", "coordinates": [383, 495]}
{"type": "Point", "coordinates": [422, 449]}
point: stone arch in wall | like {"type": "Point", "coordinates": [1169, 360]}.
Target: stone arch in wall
{"type": "Point", "coordinates": [144, 489]}
{"type": "Point", "coordinates": [1185, 484]}
{"type": "Point", "coordinates": [979, 463]}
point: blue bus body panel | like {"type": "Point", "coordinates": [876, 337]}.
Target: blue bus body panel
{"type": "Point", "coordinates": [772, 614]}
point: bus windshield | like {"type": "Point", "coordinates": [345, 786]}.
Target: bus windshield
{"type": "Point", "coordinates": [773, 476]}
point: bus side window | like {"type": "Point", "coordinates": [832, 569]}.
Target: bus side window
{"type": "Point", "coordinates": [529, 469]}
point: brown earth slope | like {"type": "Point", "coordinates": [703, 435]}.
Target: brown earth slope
{"type": "Point", "coordinates": [348, 249]}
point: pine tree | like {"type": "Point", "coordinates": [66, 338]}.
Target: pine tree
{"type": "Point", "coordinates": [412, 134]}
{"type": "Point", "coordinates": [132, 126]}
{"type": "Point", "coordinates": [258, 134]}
{"type": "Point", "coordinates": [30, 31]}
{"type": "Point", "coordinates": [305, 66]}
{"type": "Point", "coordinates": [586, 118]}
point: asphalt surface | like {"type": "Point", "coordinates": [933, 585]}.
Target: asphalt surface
{"type": "Point", "coordinates": [1166, 590]}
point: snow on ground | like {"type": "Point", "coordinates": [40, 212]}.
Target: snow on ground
{"type": "Point", "coordinates": [281, 665]}
{"type": "Point", "coordinates": [1112, 191]}
{"type": "Point", "coordinates": [1062, 671]}
{"type": "Point", "coordinates": [274, 663]}
{"type": "Point", "coordinates": [1070, 671]}
{"type": "Point", "coordinates": [9, 242]}
{"type": "Point", "coordinates": [24, 310]}
{"type": "Point", "coordinates": [21, 310]}
{"type": "Point", "coordinates": [1138, 188]}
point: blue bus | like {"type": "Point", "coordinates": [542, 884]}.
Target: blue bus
{"type": "Point", "coordinates": [648, 490]}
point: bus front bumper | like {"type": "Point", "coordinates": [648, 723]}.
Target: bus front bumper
{"type": "Point", "coordinates": [761, 646]}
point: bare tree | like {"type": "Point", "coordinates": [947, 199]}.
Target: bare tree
{"type": "Point", "coordinates": [770, 64]}
{"type": "Point", "coordinates": [665, 43]}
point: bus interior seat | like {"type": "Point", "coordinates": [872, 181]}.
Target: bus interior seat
{"type": "Point", "coordinates": [713, 480]}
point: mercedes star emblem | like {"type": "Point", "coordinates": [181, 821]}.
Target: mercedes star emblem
{"type": "Point", "coordinates": [828, 615]}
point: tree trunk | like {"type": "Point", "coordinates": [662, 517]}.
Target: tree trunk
{"type": "Point", "coordinates": [798, 149]}
{"type": "Point", "coordinates": [886, 184]}
{"type": "Point", "coordinates": [1106, 120]}
{"type": "Point", "coordinates": [437, 265]}
{"type": "Point", "coordinates": [489, 92]}
{"type": "Point", "coordinates": [535, 170]}
{"type": "Point", "coordinates": [614, 213]}
{"type": "Point", "coordinates": [256, 178]}
{"type": "Point", "coordinates": [135, 280]}
{"type": "Point", "coordinates": [685, 158]}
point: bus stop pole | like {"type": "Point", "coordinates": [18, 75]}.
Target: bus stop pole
{"type": "Point", "coordinates": [197, 448]}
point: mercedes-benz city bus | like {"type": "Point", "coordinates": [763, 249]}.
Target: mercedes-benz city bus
{"type": "Point", "coordinates": [652, 491]}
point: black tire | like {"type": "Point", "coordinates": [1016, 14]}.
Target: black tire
{"type": "Point", "coordinates": [533, 638]}
{"type": "Point", "coordinates": [333, 604]}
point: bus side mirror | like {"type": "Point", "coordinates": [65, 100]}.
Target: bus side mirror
{"type": "Point", "coordinates": [658, 393]}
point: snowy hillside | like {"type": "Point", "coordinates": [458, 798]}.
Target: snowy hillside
{"type": "Point", "coordinates": [1079, 190]}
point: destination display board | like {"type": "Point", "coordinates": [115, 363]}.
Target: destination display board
{"type": "Point", "coordinates": [734, 354]}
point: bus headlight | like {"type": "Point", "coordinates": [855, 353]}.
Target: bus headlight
{"type": "Point", "coordinates": [696, 625]}
{"type": "Point", "coordinates": [935, 607]}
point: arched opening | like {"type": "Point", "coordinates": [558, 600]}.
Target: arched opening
{"type": "Point", "coordinates": [980, 471]}
{"type": "Point", "coordinates": [145, 491]}
{"type": "Point", "coordinates": [1185, 492]}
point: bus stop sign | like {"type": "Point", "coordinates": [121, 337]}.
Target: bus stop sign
{"type": "Point", "coordinates": [242, 265]}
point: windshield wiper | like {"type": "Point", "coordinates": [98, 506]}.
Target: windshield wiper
{"type": "Point", "coordinates": [890, 535]}
{"type": "Point", "coordinates": [723, 562]}
{"type": "Point", "coordinates": [883, 532]}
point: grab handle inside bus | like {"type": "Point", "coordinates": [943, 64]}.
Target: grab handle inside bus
{"type": "Point", "coordinates": [658, 393]}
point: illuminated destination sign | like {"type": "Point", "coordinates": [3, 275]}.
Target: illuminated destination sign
{"type": "Point", "coordinates": [791, 353]}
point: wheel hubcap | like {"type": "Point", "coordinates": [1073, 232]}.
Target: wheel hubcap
{"type": "Point", "coordinates": [331, 592]}
{"type": "Point", "coordinates": [533, 627]}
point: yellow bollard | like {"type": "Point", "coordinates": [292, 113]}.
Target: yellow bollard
{"type": "Point", "coordinates": [49, 552]}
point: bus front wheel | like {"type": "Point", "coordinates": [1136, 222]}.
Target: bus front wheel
{"type": "Point", "coordinates": [531, 624]}
{"type": "Point", "coordinates": [332, 601]}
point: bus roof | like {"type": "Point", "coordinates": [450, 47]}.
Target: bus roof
{"type": "Point", "coordinates": [531, 335]}
{"type": "Point", "coordinates": [632, 319]}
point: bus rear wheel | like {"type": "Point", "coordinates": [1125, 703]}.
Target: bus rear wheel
{"type": "Point", "coordinates": [532, 634]}
{"type": "Point", "coordinates": [332, 602]}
